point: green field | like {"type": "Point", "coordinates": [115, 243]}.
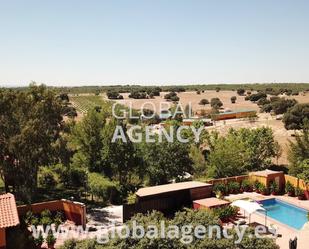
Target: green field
{"type": "Point", "coordinates": [85, 103]}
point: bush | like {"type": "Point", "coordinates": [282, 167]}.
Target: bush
{"type": "Point", "coordinates": [300, 193]}
{"type": "Point", "coordinates": [246, 185]}
{"type": "Point", "coordinates": [216, 103]}
{"type": "Point", "coordinates": [220, 187]}
{"type": "Point", "coordinates": [233, 187]}
{"type": "Point", "coordinates": [225, 213]}
{"type": "Point", "coordinates": [47, 178]}
{"type": "Point", "coordinates": [289, 189]}
{"type": "Point", "coordinates": [102, 187]}
{"type": "Point", "coordinates": [263, 189]}
{"type": "Point", "coordinates": [131, 199]}
{"type": "Point", "coordinates": [204, 102]}
{"type": "Point", "coordinates": [233, 99]}
{"type": "Point", "coordinates": [274, 188]}
{"type": "Point", "coordinates": [241, 91]}
{"type": "Point", "coordinates": [50, 239]}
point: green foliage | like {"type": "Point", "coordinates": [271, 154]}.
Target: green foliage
{"type": "Point", "coordinates": [304, 175]}
{"type": "Point", "coordinates": [101, 187]}
{"type": "Point", "coordinates": [289, 188]}
{"type": "Point", "coordinates": [132, 198]}
{"type": "Point", "coordinates": [31, 122]}
{"type": "Point", "coordinates": [221, 187]}
{"type": "Point", "coordinates": [164, 161]}
{"type": "Point", "coordinates": [257, 96]}
{"type": "Point", "coordinates": [295, 117]}
{"type": "Point", "coordinates": [246, 185]}
{"type": "Point", "coordinates": [233, 187]}
{"type": "Point", "coordinates": [233, 99]}
{"type": "Point", "coordinates": [228, 156]}
{"type": "Point", "coordinates": [299, 193]}
{"type": "Point", "coordinates": [299, 151]}
{"type": "Point", "coordinates": [204, 102]}
{"type": "Point", "coordinates": [241, 91]}
{"type": "Point", "coordinates": [216, 103]}
{"type": "Point", "coordinates": [225, 213]}
{"type": "Point", "coordinates": [47, 178]}
{"type": "Point", "coordinates": [50, 239]}
{"type": "Point", "coordinates": [274, 188]}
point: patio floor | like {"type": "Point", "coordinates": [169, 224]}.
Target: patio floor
{"type": "Point", "coordinates": [286, 231]}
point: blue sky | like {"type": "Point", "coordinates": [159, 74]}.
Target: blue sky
{"type": "Point", "coordinates": [155, 42]}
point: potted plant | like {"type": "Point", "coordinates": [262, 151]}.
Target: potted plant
{"type": "Point", "coordinates": [274, 189]}
{"type": "Point", "coordinates": [300, 194]}
{"type": "Point", "coordinates": [257, 186]}
{"type": "Point", "coordinates": [246, 186]}
{"type": "Point", "coordinates": [233, 187]}
{"type": "Point", "coordinates": [220, 187]}
{"type": "Point", "coordinates": [219, 194]}
{"type": "Point", "coordinates": [38, 241]}
{"type": "Point", "coordinates": [263, 189]}
{"type": "Point", "coordinates": [50, 240]}
{"type": "Point", "coordinates": [289, 189]}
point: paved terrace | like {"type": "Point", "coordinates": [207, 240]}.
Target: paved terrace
{"type": "Point", "coordinates": [286, 231]}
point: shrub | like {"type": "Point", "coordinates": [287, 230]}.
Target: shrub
{"type": "Point", "coordinates": [101, 187]}
{"type": "Point", "coordinates": [246, 185]}
{"type": "Point", "coordinates": [50, 239]}
{"type": "Point", "coordinates": [299, 193]}
{"type": "Point", "coordinates": [274, 188]}
{"type": "Point", "coordinates": [131, 199]}
{"type": "Point", "coordinates": [225, 213]}
{"type": "Point", "coordinates": [233, 187]}
{"type": "Point", "coordinates": [263, 189]}
{"type": "Point", "coordinates": [47, 178]}
{"type": "Point", "coordinates": [256, 186]}
{"type": "Point", "coordinates": [289, 189]}
{"type": "Point", "coordinates": [216, 103]}
{"type": "Point", "coordinates": [204, 102]}
{"type": "Point", "coordinates": [38, 241]}
{"type": "Point", "coordinates": [241, 91]}
{"type": "Point", "coordinates": [220, 187]}
{"type": "Point", "coordinates": [233, 99]}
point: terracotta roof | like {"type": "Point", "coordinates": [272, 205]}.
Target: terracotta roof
{"type": "Point", "coordinates": [170, 188]}
{"type": "Point", "coordinates": [211, 202]}
{"type": "Point", "coordinates": [8, 211]}
{"type": "Point", "coordinates": [265, 173]}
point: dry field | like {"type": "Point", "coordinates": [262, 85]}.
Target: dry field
{"type": "Point", "coordinates": [190, 97]}
{"type": "Point", "coordinates": [281, 134]}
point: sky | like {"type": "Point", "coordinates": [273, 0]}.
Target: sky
{"type": "Point", "coordinates": [158, 42]}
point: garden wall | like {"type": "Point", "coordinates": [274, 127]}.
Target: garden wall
{"type": "Point", "coordinates": [74, 211]}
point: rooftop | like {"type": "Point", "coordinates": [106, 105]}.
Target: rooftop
{"type": "Point", "coordinates": [8, 211]}
{"type": "Point", "coordinates": [165, 188]}
{"type": "Point", "coordinates": [236, 111]}
{"type": "Point", "coordinates": [211, 202]}
{"type": "Point", "coordinates": [265, 173]}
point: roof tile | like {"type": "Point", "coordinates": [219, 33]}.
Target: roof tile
{"type": "Point", "coordinates": [8, 211]}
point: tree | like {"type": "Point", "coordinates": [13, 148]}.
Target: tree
{"type": "Point", "coordinates": [204, 102]}
{"type": "Point", "coordinates": [163, 161]}
{"type": "Point", "coordinates": [87, 141]}
{"type": "Point", "coordinates": [299, 151]}
{"type": "Point", "coordinates": [216, 103]}
{"type": "Point", "coordinates": [261, 144]}
{"type": "Point", "coordinates": [241, 91]}
{"type": "Point", "coordinates": [120, 156]}
{"type": "Point", "coordinates": [233, 99]}
{"type": "Point", "coordinates": [295, 117]}
{"type": "Point", "coordinates": [228, 156]}
{"type": "Point", "coordinates": [30, 123]}
{"type": "Point", "coordinates": [255, 97]}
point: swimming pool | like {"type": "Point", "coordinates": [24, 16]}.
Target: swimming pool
{"type": "Point", "coordinates": [285, 213]}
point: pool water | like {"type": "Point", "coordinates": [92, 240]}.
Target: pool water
{"type": "Point", "coordinates": [285, 213]}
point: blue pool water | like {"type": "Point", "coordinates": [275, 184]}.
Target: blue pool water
{"type": "Point", "coordinates": [285, 213]}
